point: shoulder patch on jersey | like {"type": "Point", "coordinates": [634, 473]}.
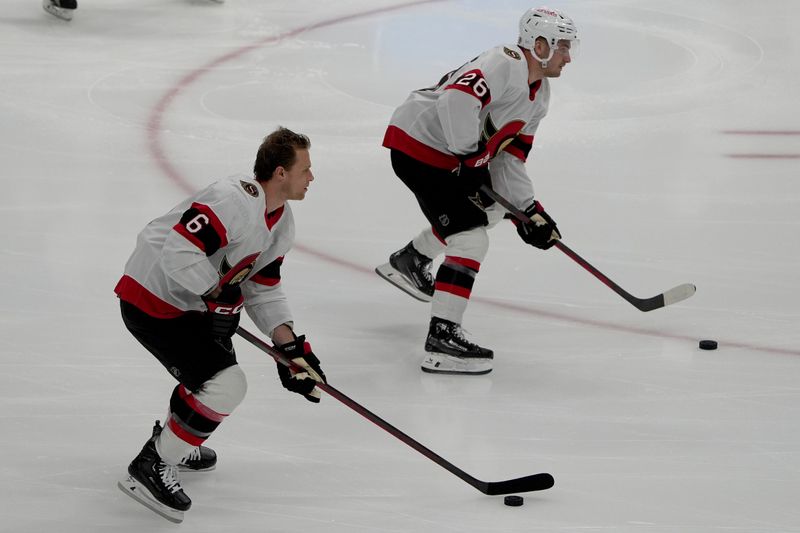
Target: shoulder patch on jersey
{"type": "Point", "coordinates": [513, 54]}
{"type": "Point", "coordinates": [249, 188]}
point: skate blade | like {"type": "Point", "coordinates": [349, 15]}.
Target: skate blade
{"type": "Point", "coordinates": [184, 468]}
{"type": "Point", "coordinates": [387, 272]}
{"type": "Point", "coordinates": [63, 14]}
{"type": "Point", "coordinates": [138, 492]}
{"type": "Point", "coordinates": [448, 364]}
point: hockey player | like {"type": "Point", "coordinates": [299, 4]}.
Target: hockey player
{"type": "Point", "coordinates": [192, 272]}
{"type": "Point", "coordinates": [475, 127]}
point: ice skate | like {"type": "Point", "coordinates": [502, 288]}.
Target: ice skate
{"type": "Point", "coordinates": [63, 9]}
{"type": "Point", "coordinates": [154, 484]}
{"type": "Point", "coordinates": [448, 352]}
{"type": "Point", "coordinates": [200, 459]}
{"type": "Point", "coordinates": [409, 271]}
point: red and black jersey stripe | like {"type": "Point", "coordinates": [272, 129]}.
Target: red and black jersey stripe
{"type": "Point", "coordinates": [397, 139]}
{"type": "Point", "coordinates": [520, 146]}
{"type": "Point", "coordinates": [131, 291]}
{"type": "Point", "coordinates": [201, 226]}
{"type": "Point", "coordinates": [270, 275]}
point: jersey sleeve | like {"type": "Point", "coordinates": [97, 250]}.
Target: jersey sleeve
{"type": "Point", "coordinates": [509, 175]}
{"type": "Point", "coordinates": [207, 225]}
{"type": "Point", "coordinates": [265, 301]}
{"type": "Point", "coordinates": [520, 146]}
{"type": "Point", "coordinates": [469, 91]}
{"type": "Point", "coordinates": [458, 113]}
{"type": "Point", "coordinates": [510, 179]}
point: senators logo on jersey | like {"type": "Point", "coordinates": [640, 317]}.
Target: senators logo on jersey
{"type": "Point", "coordinates": [249, 188]}
{"type": "Point", "coordinates": [234, 275]}
{"type": "Point", "coordinates": [513, 54]}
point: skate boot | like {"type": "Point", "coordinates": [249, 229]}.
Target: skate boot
{"type": "Point", "coordinates": [448, 352]}
{"type": "Point", "coordinates": [409, 271]}
{"type": "Point", "coordinates": [200, 459]}
{"type": "Point", "coordinates": [63, 9]}
{"type": "Point", "coordinates": [154, 484]}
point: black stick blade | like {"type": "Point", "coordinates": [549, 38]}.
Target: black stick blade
{"type": "Point", "coordinates": [522, 484]}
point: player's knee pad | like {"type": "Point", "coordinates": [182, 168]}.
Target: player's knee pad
{"type": "Point", "coordinates": [472, 244]}
{"type": "Point", "coordinates": [225, 390]}
{"type": "Point", "coordinates": [195, 415]}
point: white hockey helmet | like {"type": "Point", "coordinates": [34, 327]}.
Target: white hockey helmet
{"type": "Point", "coordinates": [549, 24]}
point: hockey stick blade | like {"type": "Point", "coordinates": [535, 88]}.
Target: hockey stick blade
{"type": "Point", "coordinates": [524, 484]}
{"type": "Point", "coordinates": [679, 293]}
{"type": "Point", "coordinates": [675, 294]}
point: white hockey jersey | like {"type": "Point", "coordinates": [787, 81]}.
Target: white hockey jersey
{"type": "Point", "coordinates": [485, 110]}
{"type": "Point", "coordinates": [222, 234]}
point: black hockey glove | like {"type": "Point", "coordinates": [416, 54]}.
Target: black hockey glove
{"type": "Point", "coordinates": [299, 351]}
{"type": "Point", "coordinates": [472, 172]}
{"type": "Point", "coordinates": [224, 311]}
{"type": "Point", "coordinates": [542, 231]}
{"type": "Point", "coordinates": [470, 178]}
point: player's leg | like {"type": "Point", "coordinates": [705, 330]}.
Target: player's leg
{"type": "Point", "coordinates": [458, 228]}
{"type": "Point", "coordinates": [409, 268]}
{"type": "Point", "coordinates": [211, 386]}
{"type": "Point", "coordinates": [461, 222]}
{"type": "Point", "coordinates": [447, 349]}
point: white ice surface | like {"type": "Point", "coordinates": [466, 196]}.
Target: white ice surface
{"type": "Point", "coordinates": [108, 120]}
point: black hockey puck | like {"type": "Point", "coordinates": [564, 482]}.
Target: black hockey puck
{"type": "Point", "coordinates": [708, 345]}
{"type": "Point", "coordinates": [513, 501]}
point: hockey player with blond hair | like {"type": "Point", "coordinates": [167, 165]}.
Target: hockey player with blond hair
{"type": "Point", "coordinates": [474, 127]}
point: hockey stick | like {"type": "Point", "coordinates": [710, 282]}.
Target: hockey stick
{"type": "Point", "coordinates": [675, 294]}
{"type": "Point", "coordinates": [492, 488]}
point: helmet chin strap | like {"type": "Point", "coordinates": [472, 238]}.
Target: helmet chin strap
{"type": "Point", "coordinates": [543, 62]}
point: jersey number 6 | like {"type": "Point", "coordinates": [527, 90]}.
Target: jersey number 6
{"type": "Point", "coordinates": [197, 223]}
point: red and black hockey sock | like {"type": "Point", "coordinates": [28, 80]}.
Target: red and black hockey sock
{"type": "Point", "coordinates": [456, 276]}
{"type": "Point", "coordinates": [189, 419]}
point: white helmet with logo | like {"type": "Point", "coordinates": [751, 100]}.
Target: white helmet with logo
{"type": "Point", "coordinates": [549, 24]}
